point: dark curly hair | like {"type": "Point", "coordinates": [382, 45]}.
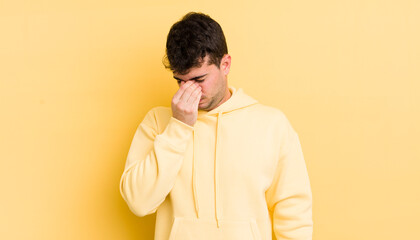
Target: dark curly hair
{"type": "Point", "coordinates": [191, 39]}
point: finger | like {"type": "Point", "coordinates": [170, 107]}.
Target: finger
{"type": "Point", "coordinates": [197, 100]}
{"type": "Point", "coordinates": [187, 93]}
{"type": "Point", "coordinates": [194, 95]}
{"type": "Point", "coordinates": [181, 90]}
{"type": "Point", "coordinates": [179, 93]}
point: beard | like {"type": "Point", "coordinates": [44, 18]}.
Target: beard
{"type": "Point", "coordinates": [206, 104]}
{"type": "Point", "coordinates": [211, 103]}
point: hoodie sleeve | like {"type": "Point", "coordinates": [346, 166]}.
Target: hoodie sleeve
{"type": "Point", "coordinates": [289, 197]}
{"type": "Point", "coordinates": [153, 162]}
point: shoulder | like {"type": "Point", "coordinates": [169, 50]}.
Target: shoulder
{"type": "Point", "coordinates": [272, 114]}
{"type": "Point", "coordinates": [279, 125]}
{"type": "Point", "coordinates": [158, 117]}
{"type": "Point", "coordinates": [275, 121]}
{"type": "Point", "coordinates": [160, 111]}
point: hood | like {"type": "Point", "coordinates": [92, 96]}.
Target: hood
{"type": "Point", "coordinates": [238, 100]}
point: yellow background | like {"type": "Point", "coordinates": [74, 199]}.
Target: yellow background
{"type": "Point", "coordinates": [77, 77]}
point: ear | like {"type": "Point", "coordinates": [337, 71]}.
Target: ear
{"type": "Point", "coordinates": [225, 64]}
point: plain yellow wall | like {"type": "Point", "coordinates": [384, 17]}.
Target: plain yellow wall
{"type": "Point", "coordinates": [77, 77]}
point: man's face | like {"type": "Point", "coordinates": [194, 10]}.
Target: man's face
{"type": "Point", "coordinates": [213, 82]}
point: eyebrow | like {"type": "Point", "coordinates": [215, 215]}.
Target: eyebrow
{"type": "Point", "coordinates": [194, 78]}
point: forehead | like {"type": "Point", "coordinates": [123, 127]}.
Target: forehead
{"type": "Point", "coordinates": [196, 71]}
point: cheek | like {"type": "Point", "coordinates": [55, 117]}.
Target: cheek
{"type": "Point", "coordinates": [207, 86]}
{"type": "Point", "coordinates": [204, 88]}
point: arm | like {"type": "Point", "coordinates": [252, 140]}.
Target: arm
{"type": "Point", "coordinates": [289, 197]}
{"type": "Point", "coordinates": [153, 163]}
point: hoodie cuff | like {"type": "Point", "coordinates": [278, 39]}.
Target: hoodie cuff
{"type": "Point", "coordinates": [176, 134]}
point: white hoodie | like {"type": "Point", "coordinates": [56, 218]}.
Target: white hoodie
{"type": "Point", "coordinates": [239, 173]}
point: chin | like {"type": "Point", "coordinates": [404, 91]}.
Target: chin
{"type": "Point", "coordinates": [204, 108]}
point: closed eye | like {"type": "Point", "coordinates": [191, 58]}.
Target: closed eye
{"type": "Point", "coordinates": [198, 79]}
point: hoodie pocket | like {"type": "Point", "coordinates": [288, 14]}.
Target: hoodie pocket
{"type": "Point", "coordinates": [193, 229]}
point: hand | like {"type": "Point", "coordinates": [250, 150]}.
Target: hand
{"type": "Point", "coordinates": [185, 102]}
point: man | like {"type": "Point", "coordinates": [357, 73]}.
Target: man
{"type": "Point", "coordinates": [217, 164]}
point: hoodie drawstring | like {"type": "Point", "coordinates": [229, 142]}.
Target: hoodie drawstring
{"type": "Point", "coordinates": [194, 175]}
{"type": "Point", "coordinates": [216, 179]}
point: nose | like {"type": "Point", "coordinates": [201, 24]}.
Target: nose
{"type": "Point", "coordinates": [194, 82]}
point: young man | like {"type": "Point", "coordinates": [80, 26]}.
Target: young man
{"type": "Point", "coordinates": [217, 164]}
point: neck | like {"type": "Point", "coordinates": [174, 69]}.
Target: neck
{"type": "Point", "coordinates": [228, 94]}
